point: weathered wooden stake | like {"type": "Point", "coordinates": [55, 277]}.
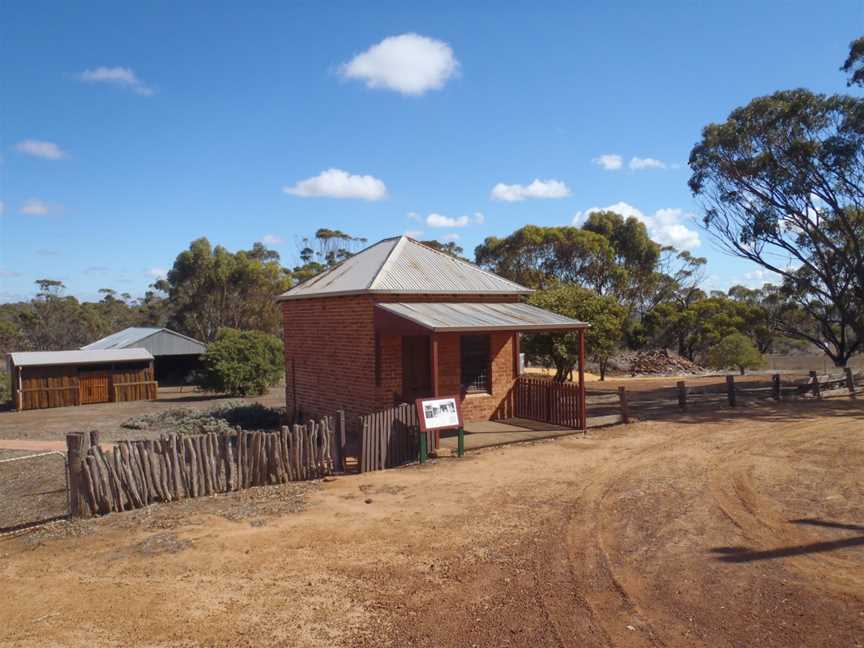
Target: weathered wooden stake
{"type": "Point", "coordinates": [775, 386]}
{"type": "Point", "coordinates": [730, 389]}
{"type": "Point", "coordinates": [75, 448]}
{"type": "Point", "coordinates": [625, 409]}
{"type": "Point", "coordinates": [850, 381]}
{"type": "Point", "coordinates": [814, 381]}
{"type": "Point", "coordinates": [682, 394]}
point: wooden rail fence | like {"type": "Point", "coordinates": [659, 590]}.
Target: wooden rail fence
{"type": "Point", "coordinates": [137, 473]}
{"type": "Point", "coordinates": [731, 392]}
{"type": "Point", "coordinates": [390, 438]}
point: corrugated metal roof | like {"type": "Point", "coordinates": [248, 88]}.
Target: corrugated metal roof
{"type": "Point", "coordinates": [456, 317]}
{"type": "Point", "coordinates": [46, 358]}
{"type": "Point", "coordinates": [401, 265]}
{"type": "Point", "coordinates": [159, 341]}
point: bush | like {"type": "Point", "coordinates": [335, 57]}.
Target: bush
{"type": "Point", "coordinates": [221, 419]}
{"type": "Point", "coordinates": [735, 350]}
{"type": "Point", "coordinates": [242, 363]}
{"type": "Point", "coordinates": [5, 389]}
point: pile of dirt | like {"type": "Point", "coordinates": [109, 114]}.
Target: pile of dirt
{"type": "Point", "coordinates": [654, 363]}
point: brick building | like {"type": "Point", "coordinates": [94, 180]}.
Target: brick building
{"type": "Point", "coordinates": [400, 321]}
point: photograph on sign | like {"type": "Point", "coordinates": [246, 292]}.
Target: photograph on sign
{"type": "Point", "coordinates": [440, 413]}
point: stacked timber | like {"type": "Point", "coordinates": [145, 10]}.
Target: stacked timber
{"type": "Point", "coordinates": [137, 473]}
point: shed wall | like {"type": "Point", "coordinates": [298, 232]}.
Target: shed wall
{"type": "Point", "coordinates": [60, 385]}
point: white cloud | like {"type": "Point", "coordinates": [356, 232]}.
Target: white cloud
{"type": "Point", "coordinates": [409, 64]}
{"type": "Point", "coordinates": [450, 237]}
{"type": "Point", "coordinates": [640, 164]}
{"type": "Point", "coordinates": [38, 148]}
{"type": "Point", "coordinates": [37, 207]}
{"type": "Point", "coordinates": [2, 207]}
{"type": "Point", "coordinates": [272, 239]}
{"type": "Point", "coordinates": [415, 233]}
{"type": "Point", "coordinates": [414, 216]}
{"type": "Point", "coordinates": [439, 220]}
{"type": "Point", "coordinates": [9, 274]}
{"type": "Point", "coordinates": [335, 183]}
{"type": "Point", "coordinates": [609, 161]}
{"type": "Point", "coordinates": [117, 76]}
{"type": "Point", "coordinates": [665, 226]}
{"type": "Point", "coordinates": [537, 189]}
{"type": "Point", "coordinates": [157, 273]}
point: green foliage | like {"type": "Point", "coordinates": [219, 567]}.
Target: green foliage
{"type": "Point", "coordinates": [541, 257]}
{"type": "Point", "coordinates": [325, 250]}
{"type": "Point", "coordinates": [602, 340]}
{"type": "Point", "coordinates": [449, 247]}
{"type": "Point", "coordinates": [242, 363]}
{"type": "Point", "coordinates": [781, 183]}
{"type": "Point", "coordinates": [211, 288]}
{"type": "Point", "coordinates": [854, 64]}
{"type": "Point", "coordinates": [5, 389]}
{"type": "Point", "coordinates": [735, 350]}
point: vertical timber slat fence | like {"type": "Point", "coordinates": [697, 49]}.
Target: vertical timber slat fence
{"type": "Point", "coordinates": [137, 473]}
{"type": "Point", "coordinates": [540, 399]}
{"type": "Point", "coordinates": [390, 438]}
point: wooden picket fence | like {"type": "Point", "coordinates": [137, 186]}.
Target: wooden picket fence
{"type": "Point", "coordinates": [541, 399]}
{"type": "Point", "coordinates": [137, 473]}
{"type": "Point", "coordinates": [390, 438]}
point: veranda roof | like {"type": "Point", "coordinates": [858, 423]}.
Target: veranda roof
{"type": "Point", "coordinates": [441, 317]}
{"type": "Point", "coordinates": [401, 265]}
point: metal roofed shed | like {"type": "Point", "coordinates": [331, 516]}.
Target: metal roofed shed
{"type": "Point", "coordinates": [443, 317]}
{"type": "Point", "coordinates": [42, 379]}
{"type": "Point", "coordinates": [403, 266]}
{"type": "Point", "coordinates": [176, 355]}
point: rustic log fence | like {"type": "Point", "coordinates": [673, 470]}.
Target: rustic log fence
{"type": "Point", "coordinates": [134, 474]}
{"type": "Point", "coordinates": [390, 438]}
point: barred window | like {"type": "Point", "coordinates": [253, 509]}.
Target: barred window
{"type": "Point", "coordinates": [474, 356]}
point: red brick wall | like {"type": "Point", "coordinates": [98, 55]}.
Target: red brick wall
{"type": "Point", "coordinates": [330, 350]}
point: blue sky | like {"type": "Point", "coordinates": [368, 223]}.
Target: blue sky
{"type": "Point", "coordinates": [129, 129]}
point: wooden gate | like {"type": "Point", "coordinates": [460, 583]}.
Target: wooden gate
{"type": "Point", "coordinates": [93, 388]}
{"type": "Point", "coordinates": [541, 399]}
{"type": "Point", "coordinates": [390, 438]}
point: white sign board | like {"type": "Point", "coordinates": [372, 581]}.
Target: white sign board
{"type": "Point", "coordinates": [440, 413]}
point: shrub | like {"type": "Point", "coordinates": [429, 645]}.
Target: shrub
{"type": "Point", "coordinates": [242, 363]}
{"type": "Point", "coordinates": [220, 419]}
{"type": "Point", "coordinates": [735, 350]}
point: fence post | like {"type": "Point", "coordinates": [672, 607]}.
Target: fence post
{"type": "Point", "coordinates": [341, 441]}
{"type": "Point", "coordinates": [460, 448]}
{"type": "Point", "coordinates": [850, 381]}
{"type": "Point", "coordinates": [625, 410]}
{"type": "Point", "coordinates": [74, 457]}
{"type": "Point", "coordinates": [814, 378]}
{"type": "Point", "coordinates": [775, 386]}
{"type": "Point", "coordinates": [424, 451]}
{"type": "Point", "coordinates": [730, 389]}
{"type": "Point", "coordinates": [682, 395]}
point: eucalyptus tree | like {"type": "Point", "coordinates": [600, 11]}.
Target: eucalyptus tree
{"type": "Point", "coordinates": [782, 183]}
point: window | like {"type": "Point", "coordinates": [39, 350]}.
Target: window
{"type": "Point", "coordinates": [474, 360]}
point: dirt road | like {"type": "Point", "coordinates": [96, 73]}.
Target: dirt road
{"type": "Point", "coordinates": [728, 529]}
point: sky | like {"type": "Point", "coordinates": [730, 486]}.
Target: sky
{"type": "Point", "coordinates": [127, 130]}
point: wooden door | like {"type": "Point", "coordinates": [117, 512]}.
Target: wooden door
{"type": "Point", "coordinates": [416, 368]}
{"type": "Point", "coordinates": [93, 387]}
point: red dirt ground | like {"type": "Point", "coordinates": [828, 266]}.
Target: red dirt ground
{"type": "Point", "coordinates": [715, 529]}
